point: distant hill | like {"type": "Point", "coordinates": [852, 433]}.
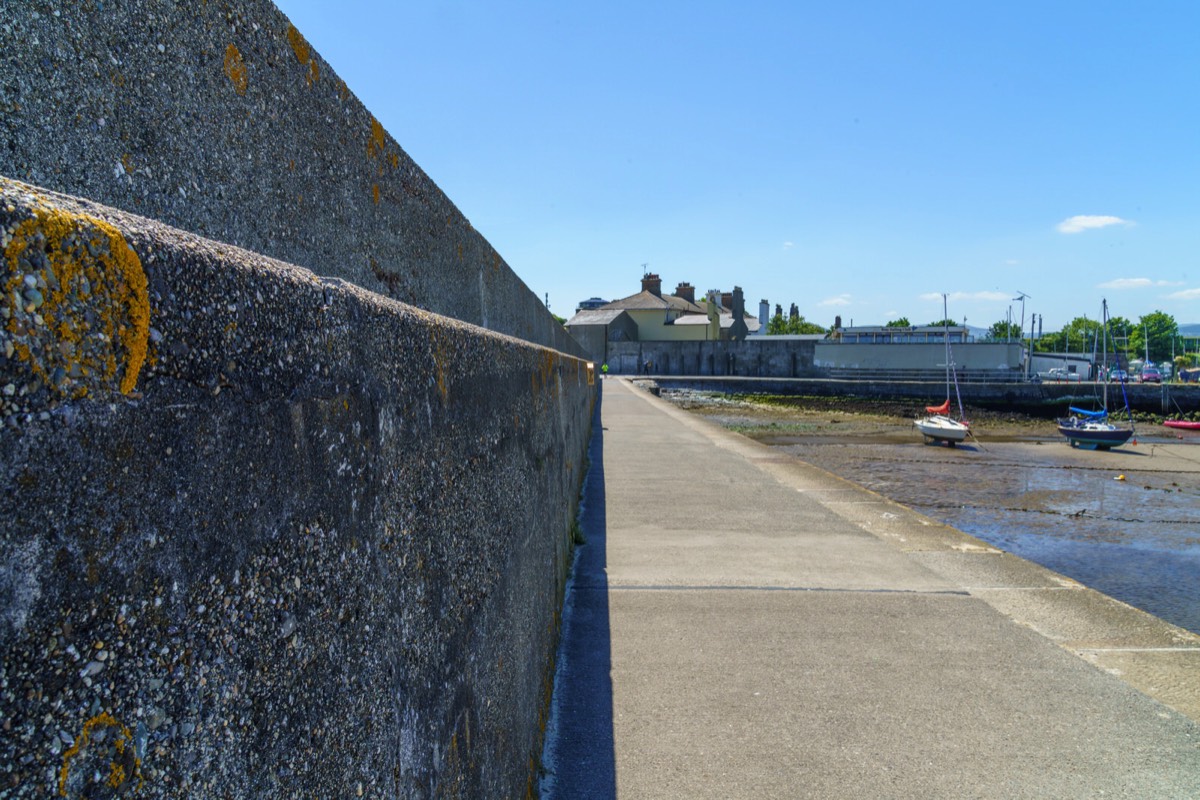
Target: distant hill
{"type": "Point", "coordinates": [1191, 329]}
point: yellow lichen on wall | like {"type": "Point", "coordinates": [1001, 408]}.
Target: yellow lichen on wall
{"type": "Point", "coordinates": [235, 70]}
{"type": "Point", "coordinates": [441, 353]}
{"type": "Point", "coordinates": [303, 54]}
{"type": "Point", "coordinates": [78, 307]}
{"type": "Point", "coordinates": [115, 755]}
{"type": "Point", "coordinates": [378, 140]}
{"type": "Point", "coordinates": [299, 46]}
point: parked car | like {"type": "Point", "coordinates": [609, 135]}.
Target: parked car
{"type": "Point", "coordinates": [1150, 374]}
{"type": "Point", "coordinates": [1059, 374]}
{"type": "Point", "coordinates": [1118, 376]}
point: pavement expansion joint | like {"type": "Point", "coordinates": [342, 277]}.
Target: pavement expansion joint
{"type": "Point", "coordinates": [741, 588]}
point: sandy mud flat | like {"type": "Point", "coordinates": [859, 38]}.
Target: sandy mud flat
{"type": "Point", "coordinates": [1125, 522]}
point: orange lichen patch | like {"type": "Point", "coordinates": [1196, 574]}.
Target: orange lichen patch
{"type": "Point", "coordinates": [441, 351]}
{"type": "Point", "coordinates": [378, 140]}
{"type": "Point", "coordinates": [299, 45]}
{"type": "Point", "coordinates": [118, 79]}
{"type": "Point", "coordinates": [395, 159]}
{"type": "Point", "coordinates": [542, 378]}
{"type": "Point", "coordinates": [78, 307]}
{"type": "Point", "coordinates": [235, 70]}
{"type": "Point", "coordinates": [123, 762]}
{"type": "Point", "coordinates": [375, 193]}
{"type": "Point", "coordinates": [127, 163]}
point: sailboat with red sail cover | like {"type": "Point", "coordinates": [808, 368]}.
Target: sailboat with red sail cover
{"type": "Point", "coordinates": [939, 426]}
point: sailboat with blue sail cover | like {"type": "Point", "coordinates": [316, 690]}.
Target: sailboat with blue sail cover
{"type": "Point", "coordinates": [1092, 430]}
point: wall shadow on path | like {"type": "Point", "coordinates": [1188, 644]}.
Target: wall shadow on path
{"type": "Point", "coordinates": [579, 758]}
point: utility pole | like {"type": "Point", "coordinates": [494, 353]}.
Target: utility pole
{"type": "Point", "coordinates": [1022, 299]}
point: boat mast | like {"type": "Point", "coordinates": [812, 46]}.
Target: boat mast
{"type": "Point", "coordinates": [1104, 346]}
{"type": "Point", "coordinates": [946, 341]}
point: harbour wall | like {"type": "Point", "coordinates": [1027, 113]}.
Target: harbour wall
{"type": "Point", "coordinates": [290, 455]}
{"type": "Point", "coordinates": [1037, 399]}
{"type": "Point", "coordinates": [267, 534]}
{"type": "Point", "coordinates": [220, 118]}
{"type": "Point", "coordinates": [793, 357]}
{"type": "Point", "coordinates": [760, 358]}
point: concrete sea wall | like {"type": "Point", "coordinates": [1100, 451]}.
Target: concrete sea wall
{"type": "Point", "coordinates": [266, 534]}
{"type": "Point", "coordinates": [760, 357]}
{"type": "Point", "coordinates": [219, 118]}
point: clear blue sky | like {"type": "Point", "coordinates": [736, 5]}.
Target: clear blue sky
{"type": "Point", "coordinates": [856, 158]}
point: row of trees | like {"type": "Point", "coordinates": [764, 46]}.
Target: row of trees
{"type": "Point", "coordinates": [1156, 333]}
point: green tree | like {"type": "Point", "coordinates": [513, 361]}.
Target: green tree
{"type": "Point", "coordinates": [1081, 335]}
{"type": "Point", "coordinates": [941, 323]}
{"type": "Point", "coordinates": [1153, 332]}
{"type": "Point", "coordinates": [801, 325]}
{"type": "Point", "coordinates": [780, 325]}
{"type": "Point", "coordinates": [1004, 331]}
{"type": "Point", "coordinates": [902, 322]}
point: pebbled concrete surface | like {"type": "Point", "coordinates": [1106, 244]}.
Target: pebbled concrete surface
{"type": "Point", "coordinates": [266, 534]}
{"type": "Point", "coordinates": [219, 118]}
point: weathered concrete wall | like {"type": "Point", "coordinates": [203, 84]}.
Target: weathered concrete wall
{"type": "Point", "coordinates": [266, 534]}
{"type": "Point", "coordinates": [755, 357]}
{"type": "Point", "coordinates": [1039, 399]}
{"type": "Point", "coordinates": [218, 118]}
{"type": "Point", "coordinates": [974, 356]}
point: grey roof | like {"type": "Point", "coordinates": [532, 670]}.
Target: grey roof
{"type": "Point", "coordinates": [752, 324]}
{"type": "Point", "coordinates": [648, 300]}
{"type": "Point", "coordinates": [598, 316]}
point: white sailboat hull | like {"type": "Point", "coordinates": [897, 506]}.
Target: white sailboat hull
{"type": "Point", "coordinates": [942, 429]}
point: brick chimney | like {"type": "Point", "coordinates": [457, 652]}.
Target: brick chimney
{"type": "Point", "coordinates": [652, 283]}
{"type": "Point", "coordinates": [727, 300]}
{"type": "Point", "coordinates": [686, 291]}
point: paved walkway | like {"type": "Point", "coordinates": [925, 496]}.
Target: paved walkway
{"type": "Point", "coordinates": [742, 625]}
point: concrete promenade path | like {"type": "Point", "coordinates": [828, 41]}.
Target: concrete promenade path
{"type": "Point", "coordinates": [744, 625]}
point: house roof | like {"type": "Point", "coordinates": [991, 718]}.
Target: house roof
{"type": "Point", "coordinates": [598, 316]}
{"type": "Point", "coordinates": [646, 300]}
{"type": "Point", "coordinates": [726, 321]}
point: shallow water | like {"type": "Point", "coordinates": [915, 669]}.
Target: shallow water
{"type": "Point", "coordinates": [1126, 522]}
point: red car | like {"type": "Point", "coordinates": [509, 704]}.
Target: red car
{"type": "Point", "coordinates": [1150, 374]}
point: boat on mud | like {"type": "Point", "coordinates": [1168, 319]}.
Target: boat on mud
{"type": "Point", "coordinates": [1092, 430]}
{"type": "Point", "coordinates": [939, 426]}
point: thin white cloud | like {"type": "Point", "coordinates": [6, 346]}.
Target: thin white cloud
{"type": "Point", "coordinates": [1135, 283]}
{"type": "Point", "coordinates": [1186, 294]}
{"type": "Point", "coordinates": [788, 245]}
{"type": "Point", "coordinates": [1087, 222]}
{"type": "Point", "coordinates": [956, 296]}
{"type": "Point", "coordinates": [839, 300]}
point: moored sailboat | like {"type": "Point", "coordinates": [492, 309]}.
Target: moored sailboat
{"type": "Point", "coordinates": [1092, 430]}
{"type": "Point", "coordinates": [939, 426]}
